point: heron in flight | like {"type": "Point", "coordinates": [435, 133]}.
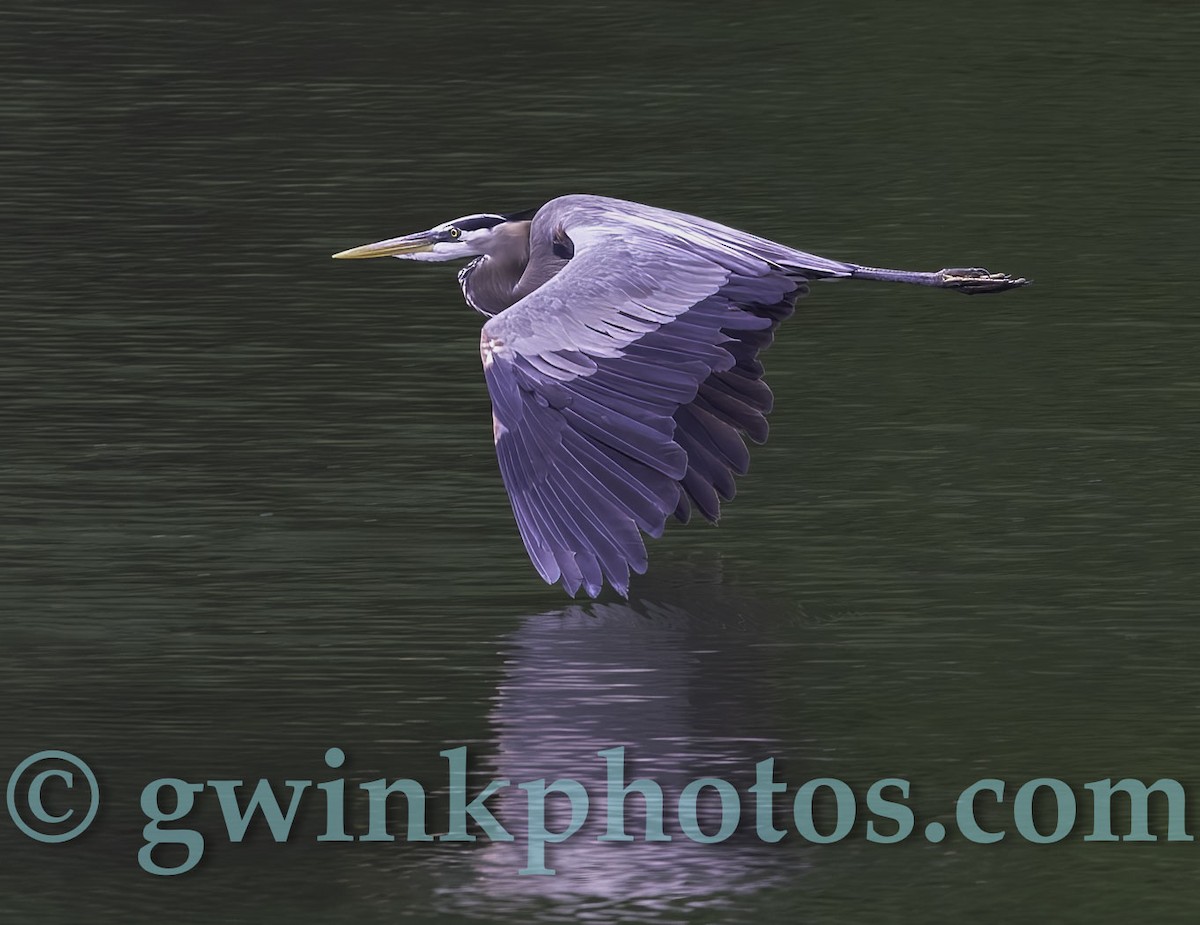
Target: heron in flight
{"type": "Point", "coordinates": [621, 356]}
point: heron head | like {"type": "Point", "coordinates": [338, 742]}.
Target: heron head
{"type": "Point", "coordinates": [460, 239]}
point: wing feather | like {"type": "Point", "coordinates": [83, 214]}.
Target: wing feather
{"type": "Point", "coordinates": [624, 387]}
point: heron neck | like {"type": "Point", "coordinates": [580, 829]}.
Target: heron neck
{"type": "Point", "coordinates": [488, 283]}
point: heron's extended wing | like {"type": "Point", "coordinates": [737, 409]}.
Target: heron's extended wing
{"type": "Point", "coordinates": [621, 390]}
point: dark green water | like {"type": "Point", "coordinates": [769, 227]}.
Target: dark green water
{"type": "Point", "coordinates": [251, 510]}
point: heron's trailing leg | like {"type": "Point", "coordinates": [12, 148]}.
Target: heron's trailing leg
{"type": "Point", "coordinates": [970, 280]}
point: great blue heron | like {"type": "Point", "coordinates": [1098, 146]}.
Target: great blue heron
{"type": "Point", "coordinates": [621, 360]}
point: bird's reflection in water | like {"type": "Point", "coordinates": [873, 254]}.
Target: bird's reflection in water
{"type": "Point", "coordinates": [688, 696]}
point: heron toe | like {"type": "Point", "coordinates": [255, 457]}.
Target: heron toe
{"type": "Point", "coordinates": [973, 280]}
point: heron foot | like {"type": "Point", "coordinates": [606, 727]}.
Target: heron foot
{"type": "Point", "coordinates": [973, 280]}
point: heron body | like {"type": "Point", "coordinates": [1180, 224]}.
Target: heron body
{"type": "Point", "coordinates": [621, 356]}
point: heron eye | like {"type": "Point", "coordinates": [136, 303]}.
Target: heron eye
{"type": "Point", "coordinates": [455, 233]}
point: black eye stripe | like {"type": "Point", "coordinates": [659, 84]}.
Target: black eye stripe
{"type": "Point", "coordinates": [476, 222]}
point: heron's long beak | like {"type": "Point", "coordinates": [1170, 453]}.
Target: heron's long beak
{"type": "Point", "coordinates": [393, 247]}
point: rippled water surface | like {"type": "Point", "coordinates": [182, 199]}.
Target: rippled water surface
{"type": "Point", "coordinates": [251, 509]}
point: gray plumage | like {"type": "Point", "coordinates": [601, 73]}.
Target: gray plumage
{"type": "Point", "coordinates": [621, 359]}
